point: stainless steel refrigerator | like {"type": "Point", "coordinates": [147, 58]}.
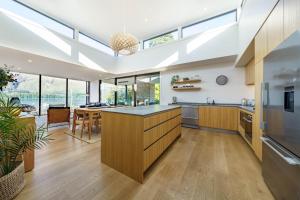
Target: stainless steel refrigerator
{"type": "Point", "coordinates": [281, 119]}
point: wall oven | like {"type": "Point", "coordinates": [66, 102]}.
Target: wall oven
{"type": "Point", "coordinates": [246, 123]}
{"type": "Point", "coordinates": [248, 127]}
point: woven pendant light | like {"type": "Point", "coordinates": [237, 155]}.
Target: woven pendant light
{"type": "Point", "coordinates": [124, 43]}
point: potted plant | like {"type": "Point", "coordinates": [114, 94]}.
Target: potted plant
{"type": "Point", "coordinates": [5, 77]}
{"type": "Point", "coordinates": [174, 79]}
{"type": "Point", "coordinates": [15, 139]}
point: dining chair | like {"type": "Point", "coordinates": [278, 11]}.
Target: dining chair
{"type": "Point", "coordinates": [81, 119]}
{"type": "Point", "coordinates": [97, 120]}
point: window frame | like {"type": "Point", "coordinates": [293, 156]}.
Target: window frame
{"type": "Point", "coordinates": [49, 17]}
{"type": "Point", "coordinates": [40, 82]}
{"type": "Point", "coordinates": [135, 82]}
{"type": "Point", "coordinates": [157, 36]}
{"type": "Point", "coordinates": [208, 19]}
{"type": "Point", "coordinates": [69, 80]}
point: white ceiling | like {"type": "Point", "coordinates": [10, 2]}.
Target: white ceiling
{"type": "Point", "coordinates": [143, 18]}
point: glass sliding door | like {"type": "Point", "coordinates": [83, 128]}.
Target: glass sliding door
{"type": "Point", "coordinates": [148, 90]}
{"type": "Point", "coordinates": [108, 91]}
{"type": "Point", "coordinates": [125, 93]}
{"type": "Point", "coordinates": [53, 93]}
{"type": "Point", "coordinates": [26, 88]}
{"type": "Point", "coordinates": [76, 93]}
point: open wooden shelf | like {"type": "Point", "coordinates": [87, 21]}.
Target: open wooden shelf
{"type": "Point", "coordinates": [188, 81]}
{"type": "Point", "coordinates": [187, 88]}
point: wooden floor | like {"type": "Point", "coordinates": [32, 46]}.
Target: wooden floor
{"type": "Point", "coordinates": [199, 165]}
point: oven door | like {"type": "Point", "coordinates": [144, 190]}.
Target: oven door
{"type": "Point", "coordinates": [248, 127]}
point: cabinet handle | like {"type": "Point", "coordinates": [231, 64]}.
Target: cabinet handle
{"type": "Point", "coordinates": [247, 120]}
{"type": "Point", "coordinates": [291, 160]}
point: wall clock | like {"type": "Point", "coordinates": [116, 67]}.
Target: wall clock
{"type": "Point", "coordinates": [222, 80]}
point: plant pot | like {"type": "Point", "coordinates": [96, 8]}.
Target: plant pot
{"type": "Point", "coordinates": [12, 183]}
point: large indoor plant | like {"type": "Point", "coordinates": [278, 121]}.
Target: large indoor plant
{"type": "Point", "coordinates": [5, 77]}
{"type": "Point", "coordinates": [15, 138]}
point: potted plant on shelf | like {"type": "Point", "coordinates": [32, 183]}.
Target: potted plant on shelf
{"type": "Point", "coordinates": [174, 79]}
{"type": "Point", "coordinates": [5, 77]}
{"type": "Point", "coordinates": [15, 138]}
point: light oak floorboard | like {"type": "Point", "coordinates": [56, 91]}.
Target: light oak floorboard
{"type": "Point", "coordinates": [201, 164]}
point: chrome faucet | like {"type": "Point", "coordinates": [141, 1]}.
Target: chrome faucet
{"type": "Point", "coordinates": [207, 100]}
{"type": "Point", "coordinates": [210, 100]}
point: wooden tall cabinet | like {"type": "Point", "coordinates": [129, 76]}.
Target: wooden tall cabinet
{"type": "Point", "coordinates": [281, 23]}
{"type": "Point", "coordinates": [257, 132]}
{"type": "Point", "coordinates": [250, 73]}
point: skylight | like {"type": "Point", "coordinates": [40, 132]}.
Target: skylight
{"type": "Point", "coordinates": [211, 23]}
{"type": "Point", "coordinates": [37, 17]}
{"type": "Point", "coordinates": [161, 39]}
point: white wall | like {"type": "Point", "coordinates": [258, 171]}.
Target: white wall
{"type": "Point", "coordinates": [215, 43]}
{"type": "Point", "coordinates": [232, 92]}
{"type": "Point", "coordinates": [94, 96]}
{"type": "Point", "coordinates": [22, 35]}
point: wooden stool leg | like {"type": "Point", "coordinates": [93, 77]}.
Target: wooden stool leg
{"type": "Point", "coordinates": [90, 131]}
{"type": "Point", "coordinates": [73, 129]}
{"type": "Point", "coordinates": [82, 127]}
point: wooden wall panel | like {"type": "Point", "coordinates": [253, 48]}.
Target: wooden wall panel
{"type": "Point", "coordinates": [291, 16]}
{"type": "Point", "coordinates": [122, 143]}
{"type": "Point", "coordinates": [261, 44]}
{"type": "Point", "coordinates": [275, 26]}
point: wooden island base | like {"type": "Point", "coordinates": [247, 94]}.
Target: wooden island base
{"type": "Point", "coordinates": [131, 142]}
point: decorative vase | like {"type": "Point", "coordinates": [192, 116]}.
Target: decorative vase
{"type": "Point", "coordinates": [12, 183]}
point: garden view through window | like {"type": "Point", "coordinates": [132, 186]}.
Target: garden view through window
{"type": "Point", "coordinates": [53, 92]}
{"type": "Point", "coordinates": [26, 88]}
{"type": "Point", "coordinates": [162, 39]}
{"type": "Point", "coordinates": [76, 93]}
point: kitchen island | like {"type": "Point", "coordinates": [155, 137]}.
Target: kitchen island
{"type": "Point", "coordinates": [134, 137]}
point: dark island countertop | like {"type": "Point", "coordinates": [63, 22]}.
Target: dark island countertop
{"type": "Point", "coordinates": [141, 110]}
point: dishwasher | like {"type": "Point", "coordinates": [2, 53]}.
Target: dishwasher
{"type": "Point", "coordinates": [190, 116]}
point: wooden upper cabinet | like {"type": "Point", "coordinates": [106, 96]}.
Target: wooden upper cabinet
{"type": "Point", "coordinates": [261, 45]}
{"type": "Point", "coordinates": [275, 27]}
{"type": "Point", "coordinates": [291, 16]}
{"type": "Point", "coordinates": [250, 73]}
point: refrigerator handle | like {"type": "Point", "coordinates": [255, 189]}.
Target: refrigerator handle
{"type": "Point", "coordinates": [291, 160]}
{"type": "Point", "coordinates": [264, 102]}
